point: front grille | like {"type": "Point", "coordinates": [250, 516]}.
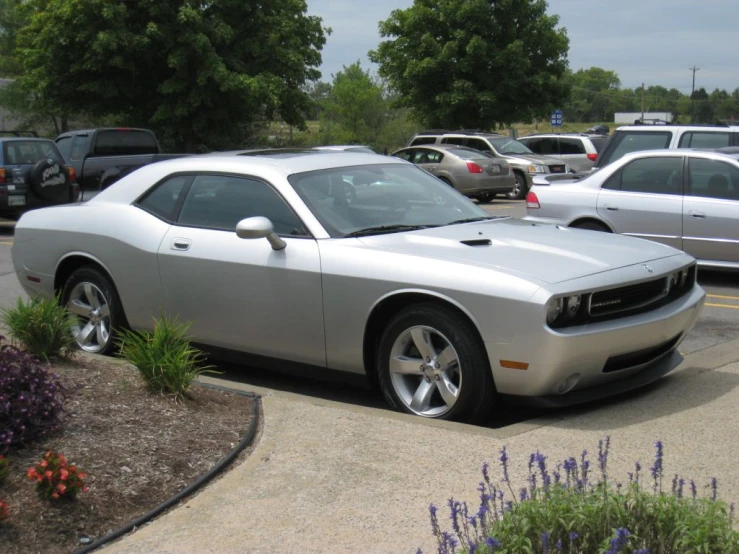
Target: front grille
{"type": "Point", "coordinates": [639, 357]}
{"type": "Point", "coordinates": [557, 168]}
{"type": "Point", "coordinates": [626, 298]}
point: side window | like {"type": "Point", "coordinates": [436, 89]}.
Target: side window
{"type": "Point", "coordinates": [530, 143]}
{"type": "Point", "coordinates": [404, 155]}
{"type": "Point", "coordinates": [220, 202]}
{"type": "Point", "coordinates": [80, 147]}
{"type": "Point", "coordinates": [705, 140]}
{"type": "Point", "coordinates": [423, 140]}
{"type": "Point", "coordinates": [713, 179]}
{"type": "Point", "coordinates": [423, 156]}
{"type": "Point", "coordinates": [613, 182]}
{"type": "Point", "coordinates": [653, 175]}
{"type": "Point", "coordinates": [162, 200]}
{"type": "Point", "coordinates": [478, 144]}
{"type": "Point", "coordinates": [64, 145]}
{"type": "Point", "coordinates": [460, 141]}
{"type": "Point", "coordinates": [548, 147]}
{"type": "Point", "coordinates": [571, 146]}
{"type": "Point", "coordinates": [626, 142]}
{"type": "Point", "coordinates": [435, 157]}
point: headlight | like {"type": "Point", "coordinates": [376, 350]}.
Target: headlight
{"type": "Point", "coordinates": [573, 305]}
{"type": "Point", "coordinates": [534, 168]}
{"type": "Point", "coordinates": [554, 310]}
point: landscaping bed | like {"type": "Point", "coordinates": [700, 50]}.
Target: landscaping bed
{"type": "Point", "coordinates": [137, 449]}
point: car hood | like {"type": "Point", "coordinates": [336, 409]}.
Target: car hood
{"type": "Point", "coordinates": [547, 253]}
{"type": "Point", "coordinates": [532, 158]}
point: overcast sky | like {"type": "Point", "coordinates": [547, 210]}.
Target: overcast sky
{"type": "Point", "coordinates": [650, 41]}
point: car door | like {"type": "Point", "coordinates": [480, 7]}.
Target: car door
{"type": "Point", "coordinates": [644, 199]}
{"type": "Point", "coordinates": [241, 294]}
{"type": "Point", "coordinates": [711, 210]}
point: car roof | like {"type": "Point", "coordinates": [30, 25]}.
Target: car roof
{"type": "Point", "coordinates": [24, 139]}
{"type": "Point", "coordinates": [673, 126]}
{"type": "Point", "coordinates": [662, 152]}
{"type": "Point", "coordinates": [340, 146]}
{"type": "Point", "coordinates": [440, 147]}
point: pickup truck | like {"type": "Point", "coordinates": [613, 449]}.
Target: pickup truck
{"type": "Point", "coordinates": [102, 156]}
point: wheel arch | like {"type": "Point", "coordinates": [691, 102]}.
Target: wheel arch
{"type": "Point", "coordinates": [388, 306]}
{"type": "Point", "coordinates": [591, 219]}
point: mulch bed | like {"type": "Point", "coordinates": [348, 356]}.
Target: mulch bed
{"type": "Point", "coordinates": [138, 449]}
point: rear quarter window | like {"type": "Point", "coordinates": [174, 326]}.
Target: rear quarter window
{"type": "Point", "coordinates": [423, 140]}
{"type": "Point", "coordinates": [116, 142]}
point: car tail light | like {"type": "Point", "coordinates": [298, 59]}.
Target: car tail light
{"type": "Point", "coordinates": [473, 167]}
{"type": "Point", "coordinates": [76, 193]}
{"type": "Point", "coordinates": [532, 201]}
{"type": "Point", "coordinates": [72, 174]}
{"type": "Point", "coordinates": [123, 129]}
{"type": "Point", "coordinates": [2, 175]}
{"type": "Point", "coordinates": [592, 157]}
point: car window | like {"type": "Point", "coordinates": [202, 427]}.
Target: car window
{"type": "Point", "coordinates": [478, 144]}
{"type": "Point", "coordinates": [509, 146]}
{"type": "Point", "coordinates": [405, 154]}
{"type": "Point", "coordinates": [423, 140]}
{"type": "Point", "coordinates": [632, 141]}
{"type": "Point", "coordinates": [460, 141]}
{"type": "Point", "coordinates": [221, 201]}
{"type": "Point", "coordinates": [599, 142]}
{"type": "Point", "coordinates": [80, 147]}
{"type": "Point", "coordinates": [347, 199]}
{"type": "Point", "coordinates": [713, 179]}
{"type": "Point", "coordinates": [696, 139]}
{"type": "Point", "coordinates": [652, 175]}
{"type": "Point", "coordinates": [426, 156]}
{"type": "Point", "coordinates": [162, 200]}
{"type": "Point", "coordinates": [121, 142]}
{"type": "Point", "coordinates": [64, 144]}
{"type": "Point", "coordinates": [571, 146]}
{"type": "Point", "coordinates": [29, 152]}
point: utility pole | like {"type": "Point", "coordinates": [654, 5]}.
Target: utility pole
{"type": "Point", "coordinates": [642, 102]}
{"type": "Point", "coordinates": [692, 100]}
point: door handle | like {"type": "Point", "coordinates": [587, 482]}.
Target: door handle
{"type": "Point", "coordinates": [612, 208]}
{"type": "Point", "coordinates": [698, 215]}
{"type": "Point", "coordinates": [181, 244]}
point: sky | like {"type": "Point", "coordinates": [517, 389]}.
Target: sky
{"type": "Point", "coordinates": [649, 41]}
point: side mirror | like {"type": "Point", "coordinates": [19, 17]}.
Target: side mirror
{"type": "Point", "coordinates": [257, 228]}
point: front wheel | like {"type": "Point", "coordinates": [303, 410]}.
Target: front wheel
{"type": "Point", "coordinates": [519, 190]}
{"type": "Point", "coordinates": [432, 364]}
{"type": "Point", "coordinates": [92, 298]}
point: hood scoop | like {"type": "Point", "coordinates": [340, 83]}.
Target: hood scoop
{"type": "Point", "coordinates": [477, 242]}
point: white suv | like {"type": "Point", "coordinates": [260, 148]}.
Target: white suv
{"type": "Point", "coordinates": [578, 150]}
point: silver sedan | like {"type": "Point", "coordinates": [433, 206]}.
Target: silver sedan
{"type": "Point", "coordinates": [406, 281]}
{"type": "Point", "coordinates": [688, 199]}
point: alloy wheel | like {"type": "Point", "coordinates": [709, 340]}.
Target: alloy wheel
{"type": "Point", "coordinates": [92, 328]}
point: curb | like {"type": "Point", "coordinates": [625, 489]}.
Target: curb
{"type": "Point", "coordinates": [220, 466]}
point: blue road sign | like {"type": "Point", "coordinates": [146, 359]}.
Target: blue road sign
{"type": "Point", "coordinates": [557, 118]}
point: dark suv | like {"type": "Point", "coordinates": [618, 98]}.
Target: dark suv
{"type": "Point", "coordinates": [33, 175]}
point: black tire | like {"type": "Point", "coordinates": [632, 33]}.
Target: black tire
{"type": "Point", "coordinates": [447, 181]}
{"type": "Point", "coordinates": [49, 180]}
{"type": "Point", "coordinates": [487, 197]}
{"type": "Point", "coordinates": [521, 190]}
{"type": "Point", "coordinates": [591, 226]}
{"type": "Point", "coordinates": [476, 390]}
{"type": "Point", "coordinates": [116, 320]}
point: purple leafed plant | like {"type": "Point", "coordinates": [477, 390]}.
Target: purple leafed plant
{"type": "Point", "coordinates": [31, 398]}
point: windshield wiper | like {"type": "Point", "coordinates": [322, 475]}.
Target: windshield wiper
{"type": "Point", "coordinates": [386, 229]}
{"type": "Point", "coordinates": [473, 219]}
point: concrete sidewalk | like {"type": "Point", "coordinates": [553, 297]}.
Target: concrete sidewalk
{"type": "Point", "coordinates": [330, 478]}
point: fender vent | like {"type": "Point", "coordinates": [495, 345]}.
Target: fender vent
{"type": "Point", "coordinates": [477, 242]}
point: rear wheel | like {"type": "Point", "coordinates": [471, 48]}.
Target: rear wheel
{"type": "Point", "coordinates": [591, 226]}
{"type": "Point", "coordinates": [432, 364]}
{"type": "Point", "coordinates": [519, 190]}
{"type": "Point", "coordinates": [92, 298]}
{"type": "Point", "coordinates": [487, 197]}
{"type": "Point", "coordinates": [447, 181]}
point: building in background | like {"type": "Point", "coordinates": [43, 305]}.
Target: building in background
{"type": "Point", "coordinates": [629, 118]}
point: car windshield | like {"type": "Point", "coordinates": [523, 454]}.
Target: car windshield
{"type": "Point", "coordinates": [509, 146]}
{"type": "Point", "coordinates": [373, 199]}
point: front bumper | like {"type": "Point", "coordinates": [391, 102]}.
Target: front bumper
{"type": "Point", "coordinates": [583, 363]}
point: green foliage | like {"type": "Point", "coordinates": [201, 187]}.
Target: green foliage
{"type": "Point", "coordinates": [11, 20]}
{"type": "Point", "coordinates": [43, 326]}
{"type": "Point", "coordinates": [569, 511]}
{"type": "Point", "coordinates": [197, 72]}
{"type": "Point", "coordinates": [474, 63]}
{"type": "Point", "coordinates": [165, 358]}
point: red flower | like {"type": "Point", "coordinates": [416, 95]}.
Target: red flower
{"type": "Point", "coordinates": [55, 496]}
{"type": "Point", "coordinates": [61, 488]}
{"type": "Point", "coordinates": [44, 463]}
{"type": "Point", "coordinates": [32, 473]}
{"type": "Point", "coordinates": [63, 473]}
{"type": "Point", "coordinates": [48, 474]}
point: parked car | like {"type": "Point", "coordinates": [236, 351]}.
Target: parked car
{"type": "Point", "coordinates": [599, 130]}
{"type": "Point", "coordinates": [33, 175]}
{"type": "Point", "coordinates": [442, 305]}
{"type": "Point", "coordinates": [524, 163]}
{"type": "Point", "coordinates": [634, 138]}
{"type": "Point", "coordinates": [471, 172]}
{"type": "Point", "coordinates": [346, 148]}
{"type": "Point", "coordinates": [102, 156]}
{"type": "Point", "coordinates": [688, 199]}
{"type": "Point", "coordinates": [578, 150]}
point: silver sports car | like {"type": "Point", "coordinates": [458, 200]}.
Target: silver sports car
{"type": "Point", "coordinates": [688, 199]}
{"type": "Point", "coordinates": [443, 306]}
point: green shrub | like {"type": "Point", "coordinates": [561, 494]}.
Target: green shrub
{"type": "Point", "coordinates": [568, 511]}
{"type": "Point", "coordinates": [165, 358]}
{"type": "Point", "coordinates": [43, 327]}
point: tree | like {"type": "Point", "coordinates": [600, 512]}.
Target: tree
{"type": "Point", "coordinates": [354, 109]}
{"type": "Point", "coordinates": [702, 110]}
{"type": "Point", "coordinates": [11, 20]}
{"type": "Point", "coordinates": [474, 63]}
{"type": "Point", "coordinates": [594, 94]}
{"type": "Point", "coordinates": [196, 71]}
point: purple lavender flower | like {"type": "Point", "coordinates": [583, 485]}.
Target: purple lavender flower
{"type": "Point", "coordinates": [492, 543]}
{"type": "Point", "coordinates": [471, 547]}
{"type": "Point", "coordinates": [619, 540]}
{"type": "Point", "coordinates": [454, 507]}
{"type": "Point", "coordinates": [658, 468]}
{"type": "Point", "coordinates": [557, 474]}
{"type": "Point", "coordinates": [714, 488]}
{"type": "Point", "coordinates": [504, 463]}
{"type": "Point", "coordinates": [435, 523]}
{"type": "Point", "coordinates": [545, 542]}
{"type": "Point", "coordinates": [732, 508]}
{"type": "Point", "coordinates": [642, 551]}
{"type": "Point", "coordinates": [524, 495]}
{"type": "Point", "coordinates": [532, 459]}
{"type": "Point", "coordinates": [558, 546]}
{"type": "Point", "coordinates": [637, 465]}
{"type": "Point", "coordinates": [603, 456]}
{"type": "Point", "coordinates": [485, 472]}
{"type": "Point", "coordinates": [680, 485]}
{"type": "Point", "coordinates": [573, 536]}
{"type": "Point", "coordinates": [674, 484]}
{"type": "Point", "coordinates": [693, 489]}
{"type": "Point", "coordinates": [449, 544]}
